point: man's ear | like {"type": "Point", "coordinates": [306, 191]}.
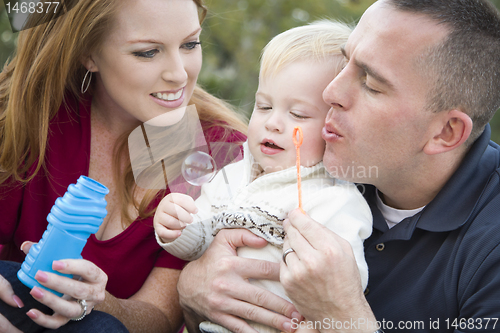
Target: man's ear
{"type": "Point", "coordinates": [452, 131]}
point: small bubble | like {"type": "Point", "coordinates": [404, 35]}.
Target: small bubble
{"type": "Point", "coordinates": [198, 168]}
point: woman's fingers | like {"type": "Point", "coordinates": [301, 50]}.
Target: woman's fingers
{"type": "Point", "coordinates": [7, 294]}
{"type": "Point", "coordinates": [63, 309]}
{"type": "Point", "coordinates": [7, 327]}
{"type": "Point", "coordinates": [26, 246]}
{"type": "Point", "coordinates": [90, 287]}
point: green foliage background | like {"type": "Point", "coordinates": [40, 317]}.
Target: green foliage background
{"type": "Point", "coordinates": [234, 33]}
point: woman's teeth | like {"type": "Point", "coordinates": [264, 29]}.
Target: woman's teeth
{"type": "Point", "coordinates": [168, 97]}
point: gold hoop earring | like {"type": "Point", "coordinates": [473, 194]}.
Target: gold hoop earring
{"type": "Point", "coordinates": [83, 82]}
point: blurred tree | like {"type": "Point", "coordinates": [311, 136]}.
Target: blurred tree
{"type": "Point", "coordinates": [7, 38]}
{"type": "Point", "coordinates": [234, 34]}
{"type": "Point", "coordinates": [236, 31]}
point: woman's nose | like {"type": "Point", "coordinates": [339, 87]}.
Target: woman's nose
{"type": "Point", "coordinates": [174, 70]}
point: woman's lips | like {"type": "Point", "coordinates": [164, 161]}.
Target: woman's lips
{"type": "Point", "coordinates": [169, 99]}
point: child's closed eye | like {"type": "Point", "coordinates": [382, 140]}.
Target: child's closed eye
{"type": "Point", "coordinates": [298, 116]}
{"type": "Point", "coordinates": [263, 107]}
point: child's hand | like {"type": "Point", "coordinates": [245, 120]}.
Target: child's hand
{"type": "Point", "coordinates": [172, 215]}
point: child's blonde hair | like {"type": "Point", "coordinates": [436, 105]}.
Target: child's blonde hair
{"type": "Point", "coordinates": [317, 41]}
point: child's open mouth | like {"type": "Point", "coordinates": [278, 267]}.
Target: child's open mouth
{"type": "Point", "coordinates": [268, 147]}
{"type": "Point", "coordinates": [272, 145]}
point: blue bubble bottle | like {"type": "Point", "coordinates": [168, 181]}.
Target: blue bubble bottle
{"type": "Point", "coordinates": [72, 219]}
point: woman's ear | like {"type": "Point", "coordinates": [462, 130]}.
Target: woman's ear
{"type": "Point", "coordinates": [453, 130]}
{"type": "Point", "coordinates": [89, 63]}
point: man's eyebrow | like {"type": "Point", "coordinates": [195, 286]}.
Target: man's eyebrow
{"type": "Point", "coordinates": [373, 73]}
{"type": "Point", "coordinates": [368, 70]}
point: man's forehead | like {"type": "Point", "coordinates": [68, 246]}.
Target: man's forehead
{"type": "Point", "coordinates": [384, 24]}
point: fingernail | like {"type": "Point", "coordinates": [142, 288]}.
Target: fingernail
{"type": "Point", "coordinates": [18, 301]}
{"type": "Point", "coordinates": [58, 265]}
{"type": "Point", "coordinates": [22, 245]}
{"type": "Point", "coordinates": [36, 292]}
{"type": "Point", "coordinates": [296, 315]}
{"type": "Point", "coordinates": [32, 314]}
{"type": "Point", "coordinates": [287, 326]}
{"type": "Point", "coordinates": [41, 276]}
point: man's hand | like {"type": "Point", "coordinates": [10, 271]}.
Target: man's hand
{"type": "Point", "coordinates": [216, 286]}
{"type": "Point", "coordinates": [321, 276]}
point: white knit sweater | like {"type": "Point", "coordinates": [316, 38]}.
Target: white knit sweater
{"type": "Point", "coordinates": [261, 204]}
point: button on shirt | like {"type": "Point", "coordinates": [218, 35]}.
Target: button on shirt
{"type": "Point", "coordinates": [442, 263]}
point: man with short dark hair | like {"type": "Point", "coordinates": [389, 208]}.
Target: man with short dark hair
{"type": "Point", "coordinates": [421, 82]}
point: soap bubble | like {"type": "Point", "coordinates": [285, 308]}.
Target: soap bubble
{"type": "Point", "coordinates": [198, 168]}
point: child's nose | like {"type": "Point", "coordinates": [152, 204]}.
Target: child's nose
{"type": "Point", "coordinates": [275, 122]}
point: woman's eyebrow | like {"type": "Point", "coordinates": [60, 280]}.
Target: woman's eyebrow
{"type": "Point", "coordinates": [154, 41]}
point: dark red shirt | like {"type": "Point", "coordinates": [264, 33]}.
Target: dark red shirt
{"type": "Point", "coordinates": [127, 258]}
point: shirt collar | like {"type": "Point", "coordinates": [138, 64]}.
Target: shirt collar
{"type": "Point", "coordinates": [455, 202]}
{"type": "Point", "coordinates": [453, 205]}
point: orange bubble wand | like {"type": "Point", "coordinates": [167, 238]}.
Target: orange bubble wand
{"type": "Point", "coordinates": [298, 142]}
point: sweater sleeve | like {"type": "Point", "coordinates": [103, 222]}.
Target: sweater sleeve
{"type": "Point", "coordinates": [342, 209]}
{"type": "Point", "coordinates": [198, 235]}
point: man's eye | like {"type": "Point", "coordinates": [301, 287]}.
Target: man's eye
{"type": "Point", "coordinates": [366, 87]}
{"type": "Point", "coordinates": [373, 91]}
{"type": "Point", "coordinates": [191, 45]}
{"type": "Point", "coordinates": [146, 54]}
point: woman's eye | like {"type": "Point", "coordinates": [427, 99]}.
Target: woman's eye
{"type": "Point", "coordinates": [191, 45]}
{"type": "Point", "coordinates": [146, 54]}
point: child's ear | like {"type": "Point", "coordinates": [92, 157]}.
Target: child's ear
{"type": "Point", "coordinates": [452, 130]}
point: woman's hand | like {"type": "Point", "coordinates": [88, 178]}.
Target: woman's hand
{"type": "Point", "coordinates": [7, 295]}
{"type": "Point", "coordinates": [91, 288]}
{"type": "Point", "coordinates": [216, 286]}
